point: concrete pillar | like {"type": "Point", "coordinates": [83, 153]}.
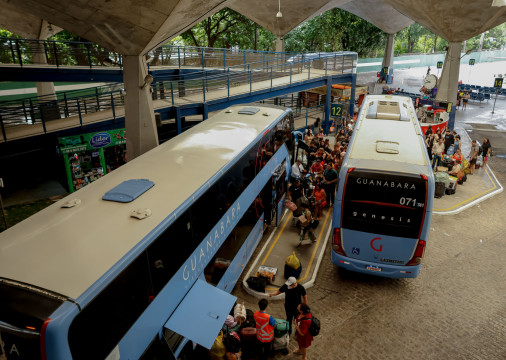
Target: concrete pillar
{"type": "Point", "coordinates": [328, 97]}
{"type": "Point", "coordinates": [448, 83]}
{"type": "Point", "coordinates": [44, 89]}
{"type": "Point", "coordinates": [352, 95]}
{"type": "Point", "coordinates": [388, 59]}
{"type": "Point", "coordinates": [280, 44]}
{"type": "Point", "coordinates": [140, 124]}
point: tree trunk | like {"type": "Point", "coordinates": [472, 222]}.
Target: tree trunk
{"type": "Point", "coordinates": [482, 38]}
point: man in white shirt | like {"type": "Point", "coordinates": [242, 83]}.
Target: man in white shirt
{"type": "Point", "coordinates": [297, 169]}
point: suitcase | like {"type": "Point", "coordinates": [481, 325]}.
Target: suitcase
{"type": "Point", "coordinates": [281, 343]}
{"type": "Point", "coordinates": [248, 337]}
{"type": "Point", "coordinates": [440, 190]}
{"type": "Point", "coordinates": [281, 328]}
{"type": "Point", "coordinates": [257, 283]}
{"type": "Point", "coordinates": [232, 342]}
{"type": "Point", "coordinates": [449, 191]}
{"type": "Point", "coordinates": [290, 271]}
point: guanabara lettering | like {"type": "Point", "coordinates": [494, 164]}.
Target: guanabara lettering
{"type": "Point", "coordinates": [386, 183]}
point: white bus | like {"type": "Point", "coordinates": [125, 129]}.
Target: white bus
{"type": "Point", "coordinates": [385, 195]}
{"type": "Point", "coordinates": [140, 263]}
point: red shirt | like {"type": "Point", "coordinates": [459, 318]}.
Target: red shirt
{"type": "Point", "coordinates": [305, 340]}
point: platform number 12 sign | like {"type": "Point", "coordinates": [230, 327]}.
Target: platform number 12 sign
{"type": "Point", "coordinates": [336, 110]}
{"type": "Point", "coordinates": [471, 61]}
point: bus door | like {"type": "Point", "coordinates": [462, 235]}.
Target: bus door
{"type": "Point", "coordinates": [382, 216]}
{"type": "Point", "coordinates": [279, 191]}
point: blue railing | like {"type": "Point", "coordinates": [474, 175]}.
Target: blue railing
{"type": "Point", "coordinates": [202, 87]}
{"type": "Point", "coordinates": [26, 52]}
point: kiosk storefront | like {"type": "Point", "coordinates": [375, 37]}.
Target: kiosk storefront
{"type": "Point", "coordinates": [88, 157]}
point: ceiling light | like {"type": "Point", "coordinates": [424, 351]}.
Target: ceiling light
{"type": "Point", "coordinates": [279, 15]}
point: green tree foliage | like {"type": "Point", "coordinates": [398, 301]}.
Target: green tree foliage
{"type": "Point", "coordinates": [412, 39]}
{"type": "Point", "coordinates": [495, 38]}
{"type": "Point", "coordinates": [228, 28]}
{"type": "Point", "coordinates": [336, 30]}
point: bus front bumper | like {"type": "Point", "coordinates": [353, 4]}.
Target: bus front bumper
{"type": "Point", "coordinates": [378, 269]}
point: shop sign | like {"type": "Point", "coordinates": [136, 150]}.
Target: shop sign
{"type": "Point", "coordinates": [73, 149]}
{"type": "Point", "coordinates": [100, 140]}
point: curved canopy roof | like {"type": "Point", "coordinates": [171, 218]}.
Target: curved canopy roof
{"type": "Point", "coordinates": [133, 27]}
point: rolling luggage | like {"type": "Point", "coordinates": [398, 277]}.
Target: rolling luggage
{"type": "Point", "coordinates": [281, 343]}
{"type": "Point", "coordinates": [290, 271]}
{"type": "Point", "coordinates": [248, 337]}
{"type": "Point", "coordinates": [281, 328]}
{"type": "Point", "coordinates": [232, 342]}
{"type": "Point", "coordinates": [440, 190]}
{"type": "Point", "coordinates": [449, 191]}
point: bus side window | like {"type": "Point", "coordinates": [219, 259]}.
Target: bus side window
{"type": "Point", "coordinates": [98, 328]}
{"type": "Point", "coordinates": [174, 240]}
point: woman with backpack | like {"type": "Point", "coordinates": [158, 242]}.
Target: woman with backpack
{"type": "Point", "coordinates": [302, 324]}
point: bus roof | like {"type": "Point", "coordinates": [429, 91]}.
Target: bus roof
{"type": "Point", "coordinates": [66, 250]}
{"type": "Point", "coordinates": [387, 136]}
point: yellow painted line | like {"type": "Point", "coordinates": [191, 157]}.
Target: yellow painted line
{"type": "Point", "coordinates": [472, 198]}
{"type": "Point", "coordinates": [312, 255]}
{"type": "Point", "coordinates": [317, 244]}
{"type": "Point", "coordinates": [276, 240]}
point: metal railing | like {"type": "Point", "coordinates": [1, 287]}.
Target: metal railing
{"type": "Point", "coordinates": [25, 52]}
{"type": "Point", "coordinates": [198, 88]}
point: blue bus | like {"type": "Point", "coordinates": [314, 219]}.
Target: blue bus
{"type": "Point", "coordinates": [384, 199]}
{"type": "Point", "coordinates": [141, 263]}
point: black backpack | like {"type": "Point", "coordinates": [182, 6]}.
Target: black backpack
{"type": "Point", "coordinates": [314, 328]}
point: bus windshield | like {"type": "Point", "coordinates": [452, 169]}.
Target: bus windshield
{"type": "Point", "coordinates": [382, 203]}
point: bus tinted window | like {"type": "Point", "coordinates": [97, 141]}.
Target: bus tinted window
{"type": "Point", "coordinates": [384, 204]}
{"type": "Point", "coordinates": [177, 239]}
{"type": "Point", "coordinates": [97, 329]}
{"type": "Point", "coordinates": [231, 246]}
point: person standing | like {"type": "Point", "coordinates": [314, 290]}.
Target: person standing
{"type": "Point", "coordinates": [485, 147]}
{"type": "Point", "coordinates": [317, 129]}
{"type": "Point", "coordinates": [297, 170]}
{"type": "Point", "coordinates": [473, 155]}
{"type": "Point", "coordinates": [296, 194]}
{"type": "Point", "coordinates": [449, 138]}
{"type": "Point", "coordinates": [320, 200]}
{"type": "Point", "coordinates": [437, 152]}
{"type": "Point", "coordinates": [465, 99]}
{"type": "Point", "coordinates": [330, 176]}
{"type": "Point", "coordinates": [306, 226]}
{"type": "Point", "coordinates": [295, 294]}
{"type": "Point", "coordinates": [265, 330]}
{"type": "Point", "coordinates": [302, 324]}
{"type": "Point", "coordinates": [429, 141]}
